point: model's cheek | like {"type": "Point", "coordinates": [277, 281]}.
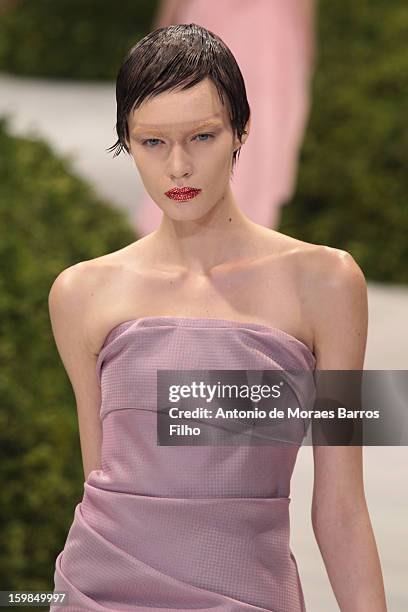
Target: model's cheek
{"type": "Point", "coordinates": [150, 170]}
{"type": "Point", "coordinates": [212, 162]}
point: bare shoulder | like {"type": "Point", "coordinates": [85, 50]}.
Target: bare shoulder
{"type": "Point", "coordinates": [70, 306]}
{"type": "Point", "coordinates": [319, 267]}
{"type": "Point", "coordinates": [75, 293]}
{"type": "Point", "coordinates": [328, 268]}
{"type": "Point", "coordinates": [331, 277]}
{"type": "Point", "coordinates": [334, 297]}
{"type": "Point", "coordinates": [92, 294]}
{"type": "Point", "coordinates": [75, 283]}
{"type": "Point", "coordinates": [81, 275]}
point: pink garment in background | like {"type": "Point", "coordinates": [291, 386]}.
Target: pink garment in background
{"type": "Point", "coordinates": [272, 41]}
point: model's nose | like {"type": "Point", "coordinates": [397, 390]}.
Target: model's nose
{"type": "Point", "coordinates": [179, 164]}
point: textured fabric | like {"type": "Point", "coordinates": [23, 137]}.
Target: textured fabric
{"type": "Point", "coordinates": [182, 528]}
{"type": "Point", "coordinates": [273, 44]}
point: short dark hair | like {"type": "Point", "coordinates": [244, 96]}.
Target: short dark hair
{"type": "Point", "coordinates": [178, 56]}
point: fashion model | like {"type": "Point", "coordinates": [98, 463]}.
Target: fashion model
{"type": "Point", "coordinates": [202, 527]}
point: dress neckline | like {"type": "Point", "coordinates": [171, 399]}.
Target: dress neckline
{"type": "Point", "coordinates": [143, 322]}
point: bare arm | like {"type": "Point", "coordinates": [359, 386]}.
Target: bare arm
{"type": "Point", "coordinates": [340, 517]}
{"type": "Point", "coordinates": [67, 301]}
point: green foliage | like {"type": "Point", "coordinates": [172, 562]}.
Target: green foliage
{"type": "Point", "coordinates": [352, 191]}
{"type": "Point", "coordinates": [49, 220]}
{"type": "Point", "coordinates": [72, 39]}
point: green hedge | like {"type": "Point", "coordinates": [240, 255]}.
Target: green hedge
{"type": "Point", "coordinates": [71, 39]}
{"type": "Point", "coordinates": [49, 220]}
{"type": "Point", "coordinates": [353, 182]}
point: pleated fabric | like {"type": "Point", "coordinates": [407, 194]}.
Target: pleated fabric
{"type": "Point", "coordinates": [183, 527]}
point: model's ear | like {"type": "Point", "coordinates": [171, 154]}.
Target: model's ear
{"type": "Point", "coordinates": [245, 134]}
{"type": "Point", "coordinates": [247, 130]}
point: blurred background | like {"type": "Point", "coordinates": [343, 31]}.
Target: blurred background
{"type": "Point", "coordinates": [343, 146]}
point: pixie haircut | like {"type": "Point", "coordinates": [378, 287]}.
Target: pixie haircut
{"type": "Point", "coordinates": [179, 57]}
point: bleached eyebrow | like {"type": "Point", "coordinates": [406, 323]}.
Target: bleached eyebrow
{"type": "Point", "coordinates": [154, 128]}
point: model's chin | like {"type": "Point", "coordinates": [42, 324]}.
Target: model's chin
{"type": "Point", "coordinates": [181, 214]}
{"type": "Point", "coordinates": [188, 210]}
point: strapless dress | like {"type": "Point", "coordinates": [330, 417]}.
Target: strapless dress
{"type": "Point", "coordinates": [181, 527]}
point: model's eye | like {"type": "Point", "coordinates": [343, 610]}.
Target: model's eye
{"type": "Point", "coordinates": [151, 145]}
{"type": "Point", "coordinates": [210, 135]}
{"type": "Point", "coordinates": [148, 140]}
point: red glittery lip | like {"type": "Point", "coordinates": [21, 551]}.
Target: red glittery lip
{"type": "Point", "coordinates": [182, 193]}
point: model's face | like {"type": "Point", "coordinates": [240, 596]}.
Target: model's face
{"type": "Point", "coordinates": [184, 139]}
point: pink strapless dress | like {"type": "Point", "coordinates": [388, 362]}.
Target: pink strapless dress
{"type": "Point", "coordinates": [273, 43]}
{"type": "Point", "coordinates": [183, 528]}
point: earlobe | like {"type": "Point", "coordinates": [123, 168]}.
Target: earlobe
{"type": "Point", "coordinates": [245, 135]}
{"type": "Point", "coordinates": [239, 144]}
{"type": "Point", "coordinates": [246, 130]}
